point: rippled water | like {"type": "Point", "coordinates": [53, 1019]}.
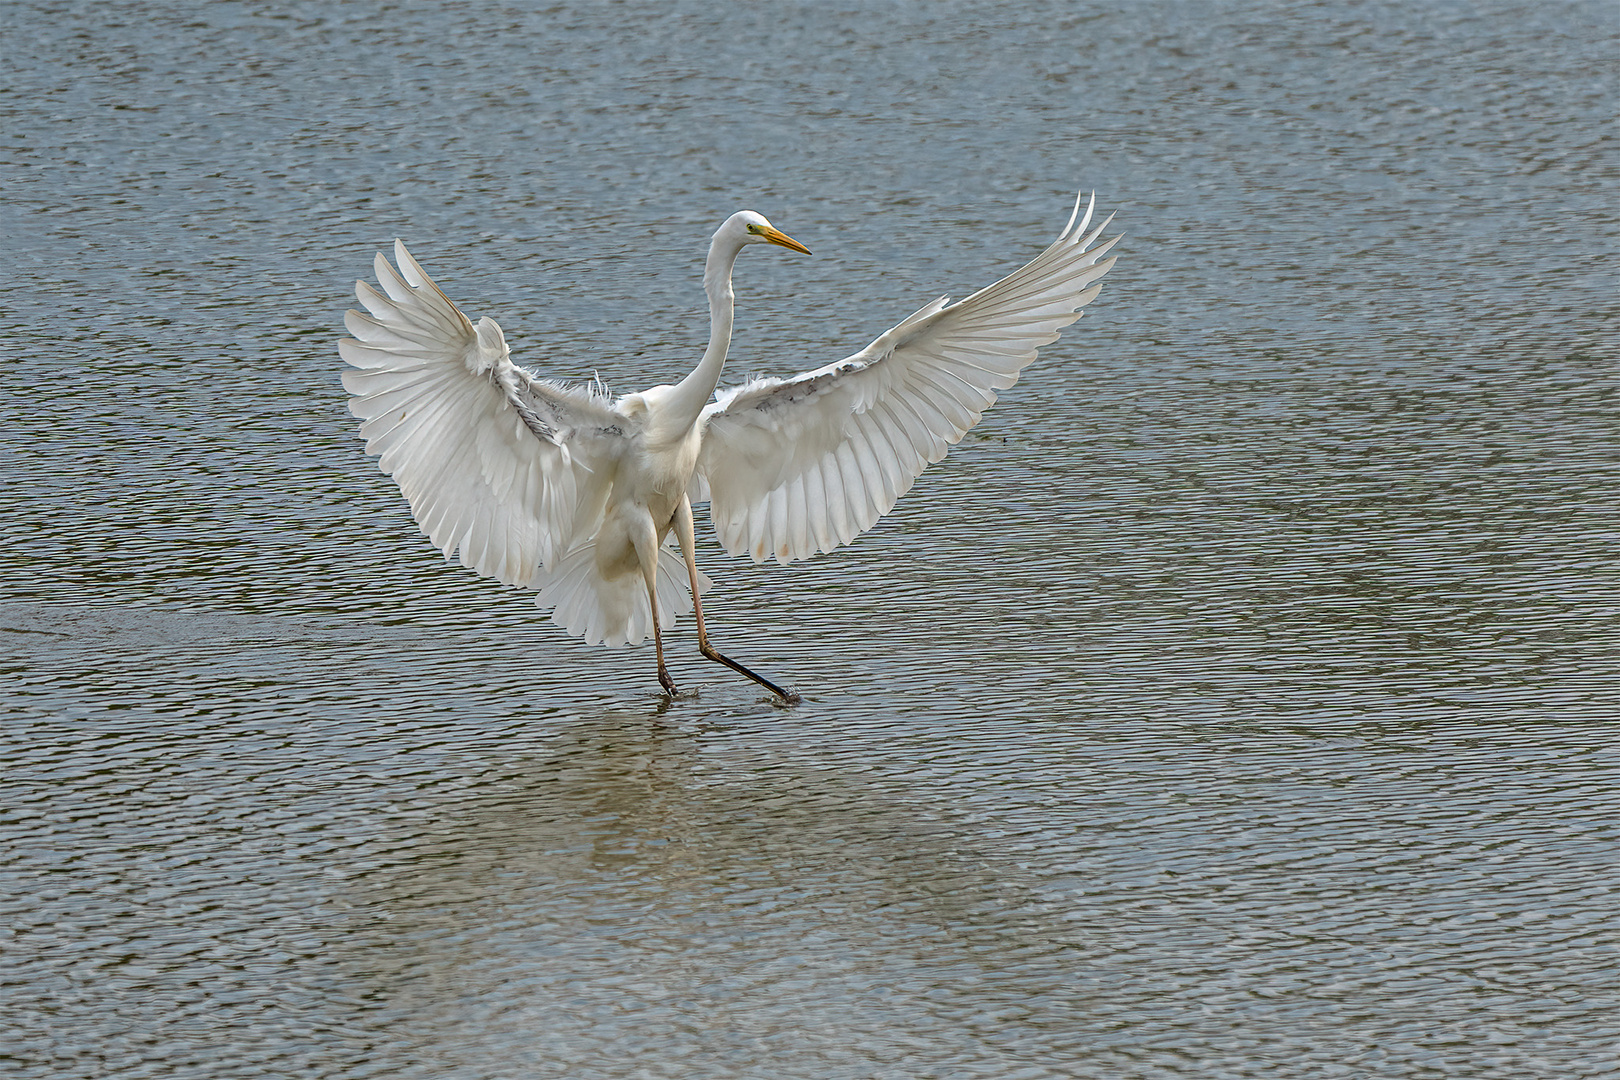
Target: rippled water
{"type": "Point", "coordinates": [1238, 700]}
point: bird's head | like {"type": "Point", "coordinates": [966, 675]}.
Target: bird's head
{"type": "Point", "coordinates": [747, 227]}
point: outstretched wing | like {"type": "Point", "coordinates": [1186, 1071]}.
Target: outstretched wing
{"type": "Point", "coordinates": [494, 462]}
{"type": "Point", "coordinates": [796, 466]}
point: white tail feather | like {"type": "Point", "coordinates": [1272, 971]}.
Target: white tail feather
{"type": "Point", "coordinates": [614, 611]}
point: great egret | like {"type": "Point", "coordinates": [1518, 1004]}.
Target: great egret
{"type": "Point", "coordinates": [568, 492]}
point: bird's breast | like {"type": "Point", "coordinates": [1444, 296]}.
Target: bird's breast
{"type": "Point", "coordinates": [656, 475]}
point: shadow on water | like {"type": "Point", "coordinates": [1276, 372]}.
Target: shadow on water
{"type": "Point", "coordinates": [634, 887]}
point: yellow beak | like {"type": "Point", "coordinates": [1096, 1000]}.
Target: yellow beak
{"type": "Point", "coordinates": [777, 236]}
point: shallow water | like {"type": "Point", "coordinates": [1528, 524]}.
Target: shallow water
{"type": "Point", "coordinates": [1237, 700]}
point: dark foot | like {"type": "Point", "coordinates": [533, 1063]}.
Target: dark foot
{"type": "Point", "coordinates": [711, 653]}
{"type": "Point", "coordinates": [667, 683]}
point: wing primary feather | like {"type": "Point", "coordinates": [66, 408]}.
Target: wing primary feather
{"type": "Point", "coordinates": [877, 437]}
{"type": "Point", "coordinates": [1078, 198]}
{"type": "Point", "coordinates": [798, 523]}
{"type": "Point", "coordinates": [871, 473]}
{"type": "Point", "coordinates": [818, 506]}
{"type": "Point", "coordinates": [857, 500]}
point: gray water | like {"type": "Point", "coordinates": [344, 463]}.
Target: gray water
{"type": "Point", "coordinates": [1238, 700]}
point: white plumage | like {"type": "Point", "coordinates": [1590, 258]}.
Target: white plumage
{"type": "Point", "coordinates": [561, 490]}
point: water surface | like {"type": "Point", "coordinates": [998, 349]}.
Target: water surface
{"type": "Point", "coordinates": [1236, 700]}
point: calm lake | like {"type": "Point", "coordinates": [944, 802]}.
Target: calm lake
{"type": "Point", "coordinates": [1240, 699]}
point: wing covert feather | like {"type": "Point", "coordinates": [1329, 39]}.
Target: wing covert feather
{"type": "Point", "coordinates": [795, 466]}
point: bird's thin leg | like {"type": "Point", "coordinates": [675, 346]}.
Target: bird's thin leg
{"type": "Point", "coordinates": [649, 572]}
{"type": "Point", "coordinates": [685, 532]}
{"type": "Point", "coordinates": [663, 672]}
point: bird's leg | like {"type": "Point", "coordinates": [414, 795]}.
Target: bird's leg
{"type": "Point", "coordinates": [663, 672]}
{"type": "Point", "coordinates": [649, 573]}
{"type": "Point", "coordinates": [686, 534]}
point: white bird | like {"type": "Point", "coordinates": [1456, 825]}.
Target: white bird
{"type": "Point", "coordinates": [565, 491]}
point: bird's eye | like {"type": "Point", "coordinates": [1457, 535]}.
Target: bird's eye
{"type": "Point", "coordinates": [753, 228]}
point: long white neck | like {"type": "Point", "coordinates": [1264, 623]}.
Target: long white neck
{"type": "Point", "coordinates": [692, 393]}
